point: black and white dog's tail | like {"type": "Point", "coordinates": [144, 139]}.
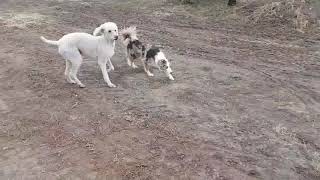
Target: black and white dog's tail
{"type": "Point", "coordinates": [129, 34]}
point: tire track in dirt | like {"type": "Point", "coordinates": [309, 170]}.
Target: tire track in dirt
{"type": "Point", "coordinates": [216, 121]}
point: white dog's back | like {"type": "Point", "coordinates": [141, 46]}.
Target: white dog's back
{"type": "Point", "coordinates": [85, 43]}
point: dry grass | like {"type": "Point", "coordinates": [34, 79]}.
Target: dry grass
{"type": "Point", "coordinates": [22, 20]}
{"type": "Point", "coordinates": [205, 9]}
{"type": "Point", "coordinates": [290, 11]}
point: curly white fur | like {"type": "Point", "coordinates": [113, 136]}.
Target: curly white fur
{"type": "Point", "coordinates": [72, 46]}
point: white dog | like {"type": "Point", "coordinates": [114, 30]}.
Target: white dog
{"type": "Point", "coordinates": [72, 46]}
{"type": "Point", "coordinates": [136, 50]}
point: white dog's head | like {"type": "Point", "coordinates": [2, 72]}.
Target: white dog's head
{"type": "Point", "coordinates": [109, 30]}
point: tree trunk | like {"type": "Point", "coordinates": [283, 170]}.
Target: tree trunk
{"type": "Point", "coordinates": [232, 2]}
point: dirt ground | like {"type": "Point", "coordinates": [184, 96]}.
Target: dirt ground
{"type": "Point", "coordinates": [245, 103]}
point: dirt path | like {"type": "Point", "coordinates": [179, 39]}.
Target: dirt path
{"type": "Point", "coordinates": [245, 103]}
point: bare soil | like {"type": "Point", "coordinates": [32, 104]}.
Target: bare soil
{"type": "Point", "coordinates": [245, 103]}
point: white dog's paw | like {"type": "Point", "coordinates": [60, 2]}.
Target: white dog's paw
{"type": "Point", "coordinates": [82, 86]}
{"type": "Point", "coordinates": [69, 80]}
{"type": "Point", "coordinates": [112, 85]}
{"type": "Point", "coordinates": [171, 78]}
{"type": "Point", "coordinates": [150, 74]}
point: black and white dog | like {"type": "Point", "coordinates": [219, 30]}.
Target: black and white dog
{"type": "Point", "coordinates": [136, 50]}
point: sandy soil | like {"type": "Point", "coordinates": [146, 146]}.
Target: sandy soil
{"type": "Point", "coordinates": [245, 103]}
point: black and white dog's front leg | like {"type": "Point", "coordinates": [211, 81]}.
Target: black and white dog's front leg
{"type": "Point", "coordinates": [134, 66]}
{"type": "Point", "coordinates": [128, 58]}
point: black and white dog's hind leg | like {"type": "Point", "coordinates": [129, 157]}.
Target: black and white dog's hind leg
{"type": "Point", "coordinates": [146, 67]}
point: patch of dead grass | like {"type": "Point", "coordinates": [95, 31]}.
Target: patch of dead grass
{"type": "Point", "coordinates": [22, 20]}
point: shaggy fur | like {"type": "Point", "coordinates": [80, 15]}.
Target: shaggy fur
{"type": "Point", "coordinates": [101, 46]}
{"type": "Point", "coordinates": [160, 60]}
{"type": "Point", "coordinates": [136, 50]}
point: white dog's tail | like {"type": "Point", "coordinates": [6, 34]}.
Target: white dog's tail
{"type": "Point", "coordinates": [129, 34]}
{"type": "Point", "coordinates": [56, 43]}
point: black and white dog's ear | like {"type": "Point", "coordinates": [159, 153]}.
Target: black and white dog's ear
{"type": "Point", "coordinates": [98, 31]}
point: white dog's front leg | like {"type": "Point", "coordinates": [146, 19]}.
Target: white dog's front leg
{"type": "Point", "coordinates": [102, 63]}
{"type": "Point", "coordinates": [111, 67]}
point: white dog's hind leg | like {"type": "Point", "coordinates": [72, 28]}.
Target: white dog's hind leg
{"type": "Point", "coordinates": [67, 72]}
{"type": "Point", "coordinates": [75, 59]}
{"type": "Point", "coordinates": [74, 70]}
{"type": "Point", "coordinates": [102, 63]}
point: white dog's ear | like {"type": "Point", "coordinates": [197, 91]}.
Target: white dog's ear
{"type": "Point", "coordinates": [98, 31]}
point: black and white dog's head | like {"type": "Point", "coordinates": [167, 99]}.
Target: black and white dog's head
{"type": "Point", "coordinates": [161, 61]}
{"type": "Point", "coordinates": [135, 48]}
